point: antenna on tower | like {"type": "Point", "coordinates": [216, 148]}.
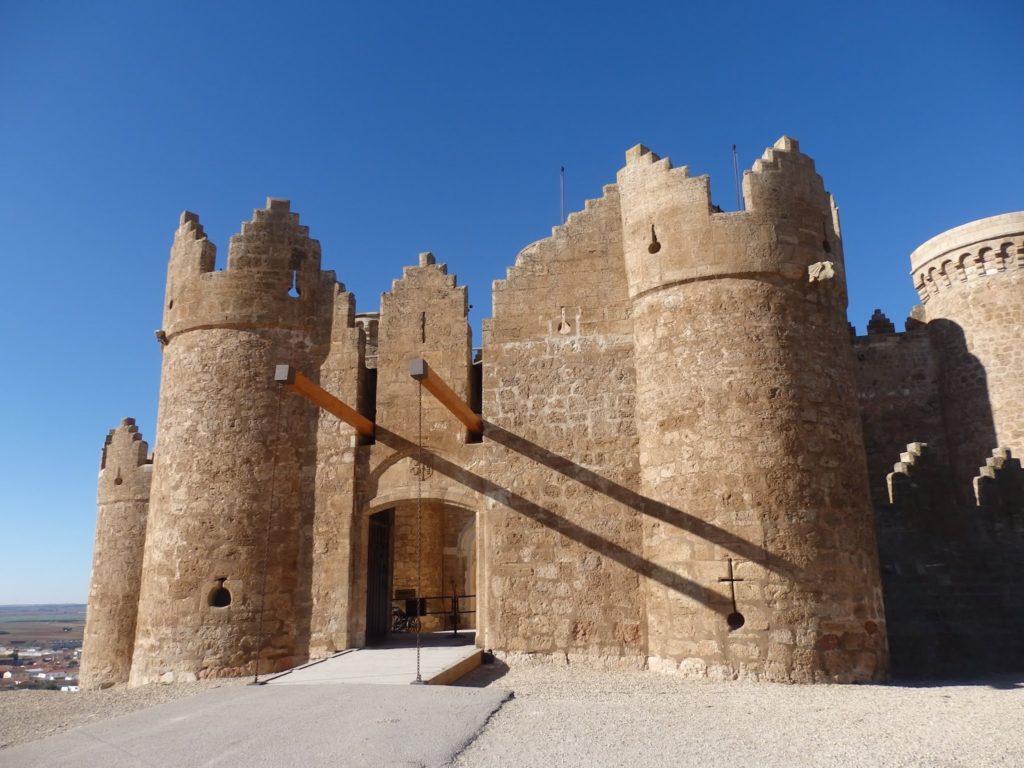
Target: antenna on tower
{"type": "Point", "coordinates": [736, 178]}
{"type": "Point", "coordinates": [561, 194]}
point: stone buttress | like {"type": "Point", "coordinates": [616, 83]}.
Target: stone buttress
{"type": "Point", "coordinates": [750, 442]}
{"type": "Point", "coordinates": [227, 567]}
{"type": "Point", "coordinates": [123, 502]}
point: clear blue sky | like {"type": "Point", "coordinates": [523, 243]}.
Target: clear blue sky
{"type": "Point", "coordinates": [401, 127]}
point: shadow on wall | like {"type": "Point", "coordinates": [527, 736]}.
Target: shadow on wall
{"type": "Point", "coordinates": [642, 504]}
{"type": "Point", "coordinates": [951, 570]}
{"type": "Point", "coordinates": [966, 407]}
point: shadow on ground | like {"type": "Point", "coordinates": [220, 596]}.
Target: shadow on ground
{"type": "Point", "coordinates": [483, 675]}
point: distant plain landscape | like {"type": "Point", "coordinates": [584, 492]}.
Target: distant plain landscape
{"type": "Point", "coordinates": [41, 624]}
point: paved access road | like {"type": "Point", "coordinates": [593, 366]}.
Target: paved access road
{"type": "Point", "coordinates": [274, 726]}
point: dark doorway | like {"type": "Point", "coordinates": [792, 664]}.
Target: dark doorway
{"type": "Point", "coordinates": [378, 576]}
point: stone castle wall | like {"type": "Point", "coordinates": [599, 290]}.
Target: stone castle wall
{"type": "Point", "coordinates": [334, 523]}
{"type": "Point", "coordinates": [123, 504]}
{"type": "Point", "coordinates": [971, 283]}
{"type": "Point", "coordinates": [899, 398]}
{"type": "Point", "coordinates": [749, 436]}
{"type": "Point", "coordinates": [673, 410]}
{"type": "Point", "coordinates": [227, 563]}
{"type": "Point", "coordinates": [563, 550]}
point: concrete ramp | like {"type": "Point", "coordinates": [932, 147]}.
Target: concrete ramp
{"type": "Point", "coordinates": [443, 660]}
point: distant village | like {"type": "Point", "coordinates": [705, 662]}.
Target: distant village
{"type": "Point", "coordinates": [40, 647]}
{"type": "Point", "coordinates": [49, 668]}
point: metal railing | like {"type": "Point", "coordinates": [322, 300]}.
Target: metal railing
{"type": "Point", "coordinates": [405, 611]}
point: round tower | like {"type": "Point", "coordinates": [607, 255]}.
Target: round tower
{"type": "Point", "coordinates": [122, 503]}
{"type": "Point", "coordinates": [971, 283]}
{"type": "Point", "coordinates": [225, 574]}
{"type": "Point", "coordinates": [759, 536]}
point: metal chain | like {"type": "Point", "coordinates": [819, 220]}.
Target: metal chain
{"type": "Point", "coordinates": [266, 537]}
{"type": "Point", "coordinates": [419, 529]}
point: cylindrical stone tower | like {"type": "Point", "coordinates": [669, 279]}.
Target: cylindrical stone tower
{"type": "Point", "coordinates": [971, 282]}
{"type": "Point", "coordinates": [122, 504]}
{"type": "Point", "coordinates": [759, 535]}
{"type": "Point", "coordinates": [226, 569]}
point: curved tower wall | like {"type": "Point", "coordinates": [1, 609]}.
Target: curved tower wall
{"type": "Point", "coordinates": [122, 502]}
{"type": "Point", "coordinates": [227, 562]}
{"type": "Point", "coordinates": [750, 441]}
{"type": "Point", "coordinates": [971, 282]}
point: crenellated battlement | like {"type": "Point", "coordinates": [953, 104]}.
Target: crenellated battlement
{"type": "Point", "coordinates": [273, 276]}
{"type": "Point", "coordinates": [785, 183]}
{"type": "Point", "coordinates": [984, 248]}
{"type": "Point", "coordinates": [125, 442]}
{"type": "Point", "coordinates": [192, 253]}
{"type": "Point", "coordinates": [673, 233]}
{"type": "Point", "coordinates": [125, 464]}
{"type": "Point", "coordinates": [911, 476]}
{"type": "Point", "coordinates": [920, 489]}
{"type": "Point", "coordinates": [533, 259]}
{"type": "Point", "coordinates": [189, 226]}
{"type": "Point", "coordinates": [999, 489]}
{"type": "Point", "coordinates": [541, 295]}
{"type": "Point", "coordinates": [879, 327]}
{"type": "Point", "coordinates": [428, 269]}
{"type": "Point", "coordinates": [879, 323]}
{"type": "Point", "coordinates": [785, 152]}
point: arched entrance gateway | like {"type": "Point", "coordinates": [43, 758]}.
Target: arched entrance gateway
{"type": "Point", "coordinates": [406, 559]}
{"type": "Point", "coordinates": [414, 552]}
{"type": "Point", "coordinates": [420, 565]}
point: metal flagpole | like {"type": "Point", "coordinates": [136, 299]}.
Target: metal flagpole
{"type": "Point", "coordinates": [561, 188]}
{"type": "Point", "coordinates": [736, 178]}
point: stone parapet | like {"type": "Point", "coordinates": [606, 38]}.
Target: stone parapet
{"type": "Point", "coordinates": [971, 251]}
{"type": "Point", "coordinates": [999, 490]}
{"type": "Point", "coordinates": [272, 279]}
{"type": "Point", "coordinates": [898, 393]}
{"type": "Point", "coordinates": [972, 280]}
{"type": "Point", "coordinates": [673, 233]}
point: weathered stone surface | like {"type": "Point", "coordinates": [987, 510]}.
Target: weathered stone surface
{"type": "Point", "coordinates": [971, 282]}
{"type": "Point", "coordinates": [898, 393]}
{"type": "Point", "coordinates": [677, 431]}
{"type": "Point", "coordinates": [123, 501]}
{"type": "Point", "coordinates": [232, 495]}
{"type": "Point", "coordinates": [749, 433]}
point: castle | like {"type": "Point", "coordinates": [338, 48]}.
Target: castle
{"type": "Point", "coordinates": [688, 461]}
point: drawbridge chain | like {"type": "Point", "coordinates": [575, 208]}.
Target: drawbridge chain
{"type": "Point", "coordinates": [266, 538]}
{"type": "Point", "coordinates": [419, 526]}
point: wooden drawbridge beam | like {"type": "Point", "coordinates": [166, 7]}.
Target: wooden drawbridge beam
{"type": "Point", "coordinates": [436, 386]}
{"type": "Point", "coordinates": [295, 382]}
